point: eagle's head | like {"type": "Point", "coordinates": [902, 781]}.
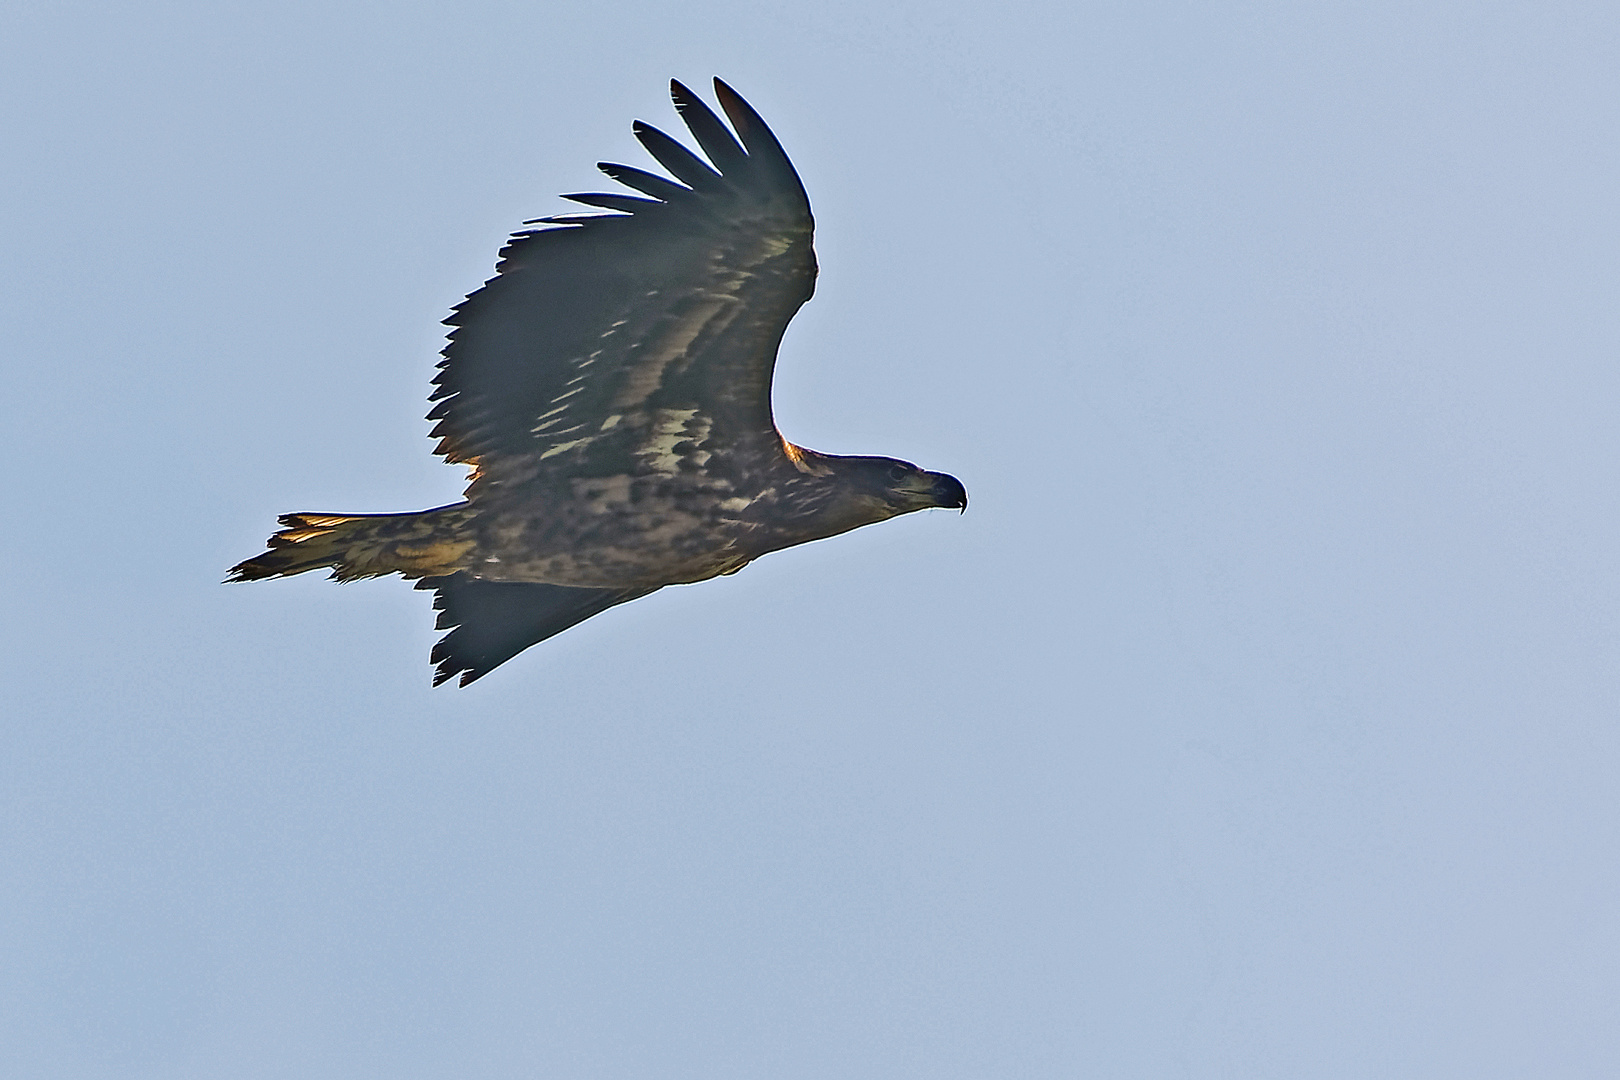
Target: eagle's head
{"type": "Point", "coordinates": [849, 492]}
{"type": "Point", "coordinates": [900, 487]}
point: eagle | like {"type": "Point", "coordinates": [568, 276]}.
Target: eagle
{"type": "Point", "coordinates": [610, 389]}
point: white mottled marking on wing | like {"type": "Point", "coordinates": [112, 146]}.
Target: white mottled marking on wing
{"type": "Point", "coordinates": [563, 446]}
{"type": "Point", "coordinates": [671, 428]}
{"type": "Point", "coordinates": [643, 380]}
{"type": "Point", "coordinates": [777, 243]}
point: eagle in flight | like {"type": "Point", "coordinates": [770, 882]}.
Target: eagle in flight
{"type": "Point", "coordinates": [610, 387]}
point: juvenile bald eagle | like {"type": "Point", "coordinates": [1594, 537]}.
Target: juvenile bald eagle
{"type": "Point", "coordinates": [611, 388]}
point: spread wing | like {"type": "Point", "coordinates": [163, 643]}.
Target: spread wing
{"type": "Point", "coordinates": [492, 621]}
{"type": "Point", "coordinates": [655, 326]}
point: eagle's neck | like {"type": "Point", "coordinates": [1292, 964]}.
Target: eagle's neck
{"type": "Point", "coordinates": [827, 494]}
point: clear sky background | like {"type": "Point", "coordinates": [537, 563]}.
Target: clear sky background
{"type": "Point", "coordinates": [1259, 719]}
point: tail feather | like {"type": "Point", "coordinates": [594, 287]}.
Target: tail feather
{"type": "Point", "coordinates": [356, 546]}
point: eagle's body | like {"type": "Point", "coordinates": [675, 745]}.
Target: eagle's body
{"type": "Point", "coordinates": [610, 387]}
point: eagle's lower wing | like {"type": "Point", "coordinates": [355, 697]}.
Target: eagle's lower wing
{"type": "Point", "coordinates": [603, 335]}
{"type": "Point", "coordinates": [492, 621]}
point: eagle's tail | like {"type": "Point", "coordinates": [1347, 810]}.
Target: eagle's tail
{"type": "Point", "coordinates": [423, 544]}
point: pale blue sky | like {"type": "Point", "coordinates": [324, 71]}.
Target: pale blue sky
{"type": "Point", "coordinates": [1259, 720]}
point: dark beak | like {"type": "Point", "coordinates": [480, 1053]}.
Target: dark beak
{"type": "Point", "coordinates": [948, 492]}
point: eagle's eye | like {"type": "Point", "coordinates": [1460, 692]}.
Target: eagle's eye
{"type": "Point", "coordinates": [898, 473]}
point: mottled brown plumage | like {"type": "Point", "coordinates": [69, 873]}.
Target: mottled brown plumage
{"type": "Point", "coordinates": [610, 387]}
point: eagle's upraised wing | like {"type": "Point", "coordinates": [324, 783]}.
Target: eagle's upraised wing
{"type": "Point", "coordinates": [601, 335]}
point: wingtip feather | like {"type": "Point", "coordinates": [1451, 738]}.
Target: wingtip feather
{"type": "Point", "coordinates": [684, 165]}
{"type": "Point", "coordinates": [643, 181]}
{"type": "Point", "coordinates": [757, 138]}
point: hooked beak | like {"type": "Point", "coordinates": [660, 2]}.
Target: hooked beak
{"type": "Point", "coordinates": [948, 492]}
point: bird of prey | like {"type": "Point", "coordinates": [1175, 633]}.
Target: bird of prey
{"type": "Point", "coordinates": [610, 387]}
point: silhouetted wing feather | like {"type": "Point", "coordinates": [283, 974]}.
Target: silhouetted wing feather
{"type": "Point", "coordinates": [492, 621]}
{"type": "Point", "coordinates": [716, 142]}
{"type": "Point", "coordinates": [628, 204]}
{"type": "Point", "coordinates": [596, 335]}
{"type": "Point", "coordinates": [686, 166]}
